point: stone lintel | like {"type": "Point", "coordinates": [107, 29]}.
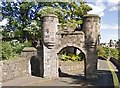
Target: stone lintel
{"type": "Point", "coordinates": [70, 33]}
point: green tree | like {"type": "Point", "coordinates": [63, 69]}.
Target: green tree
{"type": "Point", "coordinates": [23, 15]}
{"type": "Point", "coordinates": [17, 14]}
{"type": "Point", "coordinates": [101, 51]}
{"type": "Point", "coordinates": [118, 48]}
{"type": "Point", "coordinates": [69, 13]}
{"type": "Point", "coordinates": [108, 52]}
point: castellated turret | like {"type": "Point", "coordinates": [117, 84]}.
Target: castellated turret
{"type": "Point", "coordinates": [91, 28]}
{"type": "Point", "coordinates": [49, 29]}
{"type": "Point", "coordinates": [49, 64]}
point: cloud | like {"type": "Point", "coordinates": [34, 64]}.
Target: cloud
{"type": "Point", "coordinates": [98, 8]}
{"type": "Point", "coordinates": [3, 22]}
{"type": "Point", "coordinates": [113, 2]}
{"type": "Point", "coordinates": [107, 26]}
{"type": "Point", "coordinates": [114, 8]}
{"type": "Point", "coordinates": [113, 5]}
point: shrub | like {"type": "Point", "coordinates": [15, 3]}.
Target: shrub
{"type": "Point", "coordinates": [0, 50]}
{"type": "Point", "coordinates": [27, 44]}
{"type": "Point", "coordinates": [114, 53]}
{"type": "Point", "coordinates": [7, 51]}
{"type": "Point", "coordinates": [12, 49]}
{"type": "Point", "coordinates": [71, 57]}
{"type": "Point", "coordinates": [107, 52]}
{"type": "Point", "coordinates": [17, 46]}
{"type": "Point", "coordinates": [74, 57]}
{"type": "Point", "coordinates": [101, 51]}
{"type": "Point", "coordinates": [64, 57]}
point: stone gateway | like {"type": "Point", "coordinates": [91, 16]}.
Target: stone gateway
{"type": "Point", "coordinates": [54, 40]}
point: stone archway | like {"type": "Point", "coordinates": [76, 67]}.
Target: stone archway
{"type": "Point", "coordinates": [72, 45]}
{"type": "Point", "coordinates": [80, 64]}
{"type": "Point", "coordinates": [54, 40]}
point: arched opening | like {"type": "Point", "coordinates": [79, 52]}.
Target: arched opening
{"type": "Point", "coordinates": [72, 61]}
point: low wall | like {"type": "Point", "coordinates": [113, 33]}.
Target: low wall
{"type": "Point", "coordinates": [68, 66]}
{"type": "Point", "coordinates": [28, 64]}
{"type": "Point", "coordinates": [0, 74]}
{"type": "Point", "coordinates": [20, 67]}
{"type": "Point", "coordinates": [12, 69]}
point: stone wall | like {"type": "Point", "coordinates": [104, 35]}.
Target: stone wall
{"type": "Point", "coordinates": [0, 74]}
{"type": "Point", "coordinates": [69, 66]}
{"type": "Point", "coordinates": [12, 69]}
{"type": "Point", "coordinates": [28, 52]}
{"type": "Point", "coordinates": [25, 65]}
{"type": "Point", "coordinates": [75, 39]}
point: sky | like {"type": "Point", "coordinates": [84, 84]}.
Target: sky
{"type": "Point", "coordinates": [108, 11]}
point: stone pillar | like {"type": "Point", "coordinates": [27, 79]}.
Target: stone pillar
{"type": "Point", "coordinates": [29, 53]}
{"type": "Point", "coordinates": [50, 62]}
{"type": "Point", "coordinates": [91, 28]}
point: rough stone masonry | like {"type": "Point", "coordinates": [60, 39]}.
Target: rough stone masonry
{"type": "Point", "coordinates": [54, 40]}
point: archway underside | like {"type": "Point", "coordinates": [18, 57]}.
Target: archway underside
{"type": "Point", "coordinates": [71, 60]}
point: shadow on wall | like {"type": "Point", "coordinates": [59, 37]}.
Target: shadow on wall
{"type": "Point", "coordinates": [34, 62]}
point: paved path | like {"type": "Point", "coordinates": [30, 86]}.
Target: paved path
{"type": "Point", "coordinates": [71, 79]}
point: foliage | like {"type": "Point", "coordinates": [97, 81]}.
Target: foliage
{"type": "Point", "coordinates": [7, 51]}
{"type": "Point", "coordinates": [114, 53]}
{"type": "Point", "coordinates": [33, 30]}
{"type": "Point", "coordinates": [27, 44]}
{"type": "Point", "coordinates": [24, 20]}
{"type": "Point", "coordinates": [12, 49]}
{"type": "Point", "coordinates": [71, 57]}
{"type": "Point", "coordinates": [64, 57]}
{"type": "Point", "coordinates": [25, 16]}
{"type": "Point", "coordinates": [107, 52]}
{"type": "Point", "coordinates": [118, 48]}
{"type": "Point", "coordinates": [70, 13]}
{"type": "Point", "coordinates": [74, 57]}
{"type": "Point", "coordinates": [17, 15]}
